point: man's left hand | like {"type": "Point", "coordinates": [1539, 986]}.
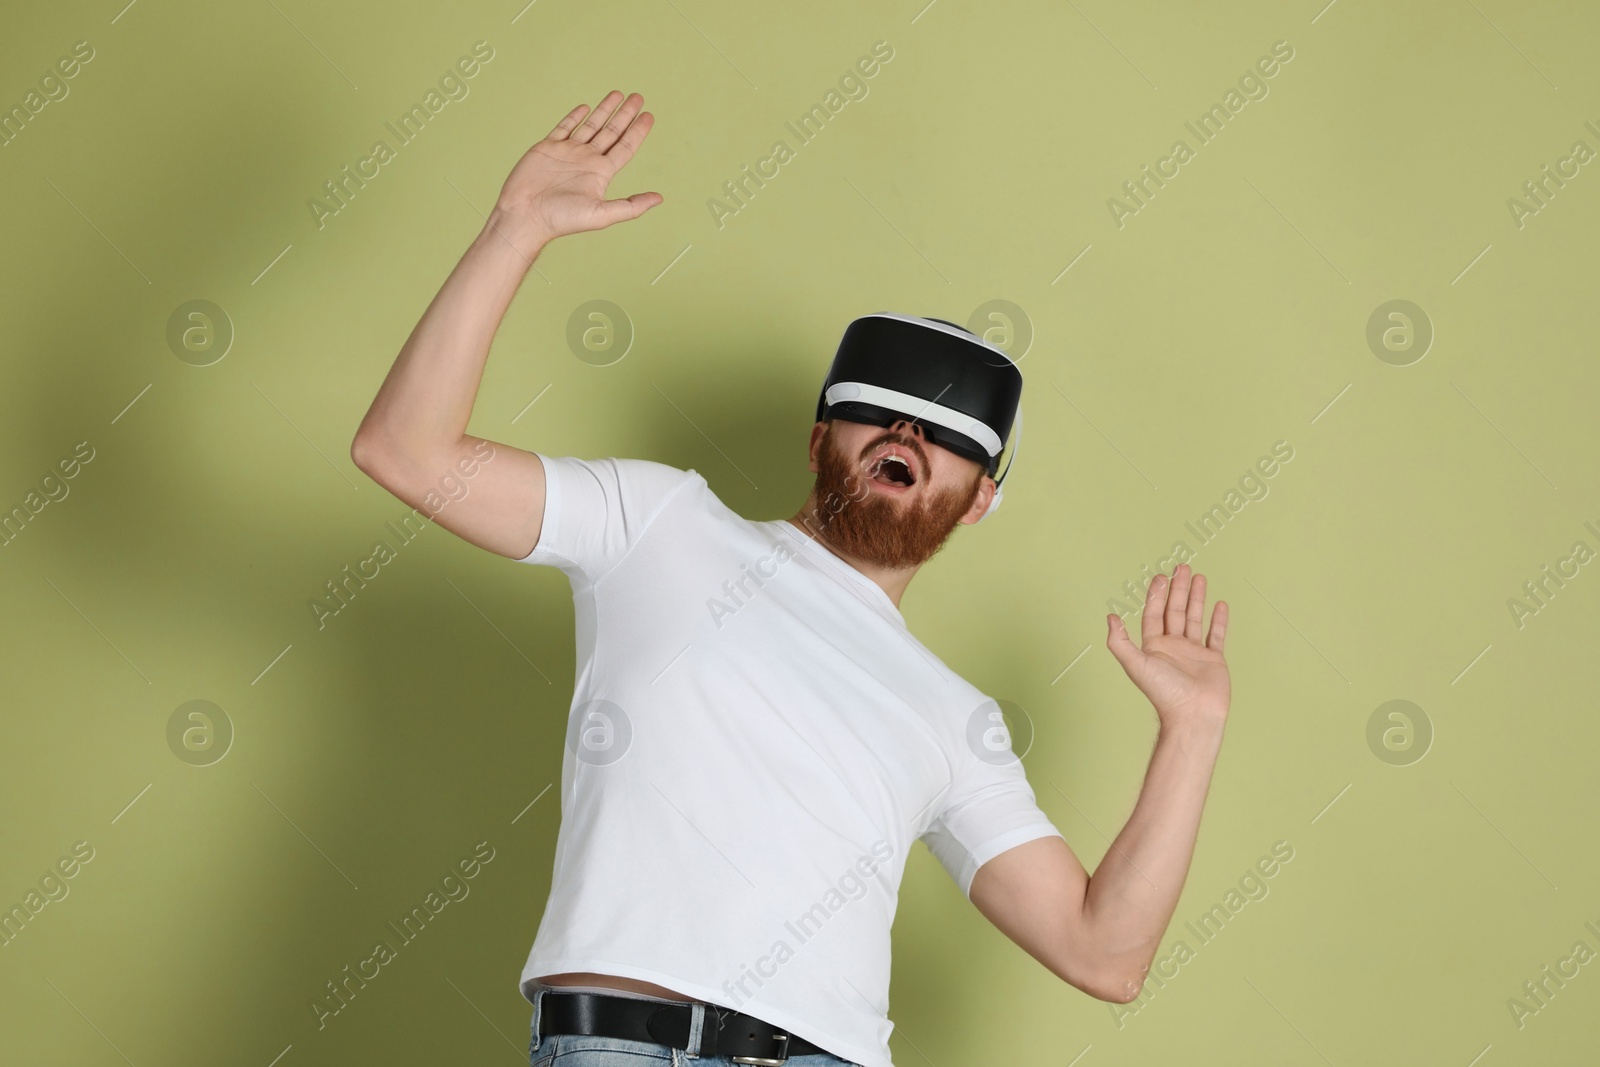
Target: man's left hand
{"type": "Point", "coordinates": [1185, 677]}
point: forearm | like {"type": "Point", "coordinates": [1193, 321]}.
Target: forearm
{"type": "Point", "coordinates": [426, 400]}
{"type": "Point", "coordinates": [1132, 894]}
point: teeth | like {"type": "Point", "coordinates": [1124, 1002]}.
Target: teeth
{"type": "Point", "coordinates": [877, 468]}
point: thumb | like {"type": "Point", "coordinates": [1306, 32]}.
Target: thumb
{"type": "Point", "coordinates": [628, 207]}
{"type": "Point", "coordinates": [1128, 654]}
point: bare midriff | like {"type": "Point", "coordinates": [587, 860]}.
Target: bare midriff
{"type": "Point", "coordinates": [612, 981]}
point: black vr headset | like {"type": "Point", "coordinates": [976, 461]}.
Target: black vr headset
{"type": "Point", "coordinates": [964, 391]}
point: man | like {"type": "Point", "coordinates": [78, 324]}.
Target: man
{"type": "Point", "coordinates": [756, 738]}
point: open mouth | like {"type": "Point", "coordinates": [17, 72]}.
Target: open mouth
{"type": "Point", "coordinates": [892, 471]}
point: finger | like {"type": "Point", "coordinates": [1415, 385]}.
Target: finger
{"type": "Point", "coordinates": [1155, 602]}
{"type": "Point", "coordinates": [1121, 646]}
{"type": "Point", "coordinates": [1178, 601]}
{"type": "Point", "coordinates": [602, 111]}
{"type": "Point", "coordinates": [615, 126]}
{"type": "Point", "coordinates": [624, 149]}
{"type": "Point", "coordinates": [630, 207]}
{"type": "Point", "coordinates": [566, 125]}
{"type": "Point", "coordinates": [1219, 626]}
{"type": "Point", "coordinates": [1194, 620]}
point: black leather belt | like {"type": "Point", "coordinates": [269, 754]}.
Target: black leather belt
{"type": "Point", "coordinates": [742, 1038]}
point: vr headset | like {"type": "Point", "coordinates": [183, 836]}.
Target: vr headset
{"type": "Point", "coordinates": [964, 391]}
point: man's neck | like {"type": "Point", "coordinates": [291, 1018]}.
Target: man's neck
{"type": "Point", "coordinates": [892, 581]}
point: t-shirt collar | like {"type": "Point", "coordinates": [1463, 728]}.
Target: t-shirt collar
{"type": "Point", "coordinates": [833, 560]}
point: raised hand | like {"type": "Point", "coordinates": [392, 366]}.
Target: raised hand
{"type": "Point", "coordinates": [558, 187]}
{"type": "Point", "coordinates": [1186, 679]}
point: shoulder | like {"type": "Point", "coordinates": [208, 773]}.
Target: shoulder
{"type": "Point", "coordinates": [623, 467]}
{"type": "Point", "coordinates": [956, 707]}
{"type": "Point", "coordinates": [623, 479]}
{"type": "Point", "coordinates": [981, 733]}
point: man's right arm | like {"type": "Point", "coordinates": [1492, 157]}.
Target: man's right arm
{"type": "Point", "coordinates": [413, 440]}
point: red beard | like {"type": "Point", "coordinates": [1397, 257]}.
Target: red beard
{"type": "Point", "coordinates": [872, 527]}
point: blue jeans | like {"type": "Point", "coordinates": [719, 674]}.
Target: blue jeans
{"type": "Point", "coordinates": [587, 1050]}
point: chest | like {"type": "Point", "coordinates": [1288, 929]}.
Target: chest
{"type": "Point", "coordinates": [747, 656]}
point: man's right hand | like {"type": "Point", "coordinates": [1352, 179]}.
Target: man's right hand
{"type": "Point", "coordinates": [559, 185]}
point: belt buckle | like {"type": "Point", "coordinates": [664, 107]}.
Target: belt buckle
{"type": "Point", "coordinates": [764, 1061]}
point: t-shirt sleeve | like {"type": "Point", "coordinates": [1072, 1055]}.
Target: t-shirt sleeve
{"type": "Point", "coordinates": [595, 511]}
{"type": "Point", "coordinates": [988, 808]}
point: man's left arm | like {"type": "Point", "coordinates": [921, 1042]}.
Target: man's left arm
{"type": "Point", "coordinates": [1101, 932]}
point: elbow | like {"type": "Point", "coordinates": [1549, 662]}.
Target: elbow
{"type": "Point", "coordinates": [388, 457]}
{"type": "Point", "coordinates": [361, 452]}
{"type": "Point", "coordinates": [373, 459]}
{"type": "Point", "coordinates": [369, 452]}
{"type": "Point", "coordinates": [1118, 981]}
{"type": "Point", "coordinates": [1118, 989]}
{"type": "Point", "coordinates": [1103, 982]}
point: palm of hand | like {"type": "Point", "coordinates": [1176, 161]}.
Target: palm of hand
{"type": "Point", "coordinates": [571, 179]}
{"type": "Point", "coordinates": [558, 187]}
{"type": "Point", "coordinates": [1184, 677]}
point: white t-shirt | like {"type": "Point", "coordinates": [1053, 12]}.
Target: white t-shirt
{"type": "Point", "coordinates": [755, 742]}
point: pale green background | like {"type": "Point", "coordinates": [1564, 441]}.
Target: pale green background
{"type": "Point", "coordinates": [1224, 317]}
